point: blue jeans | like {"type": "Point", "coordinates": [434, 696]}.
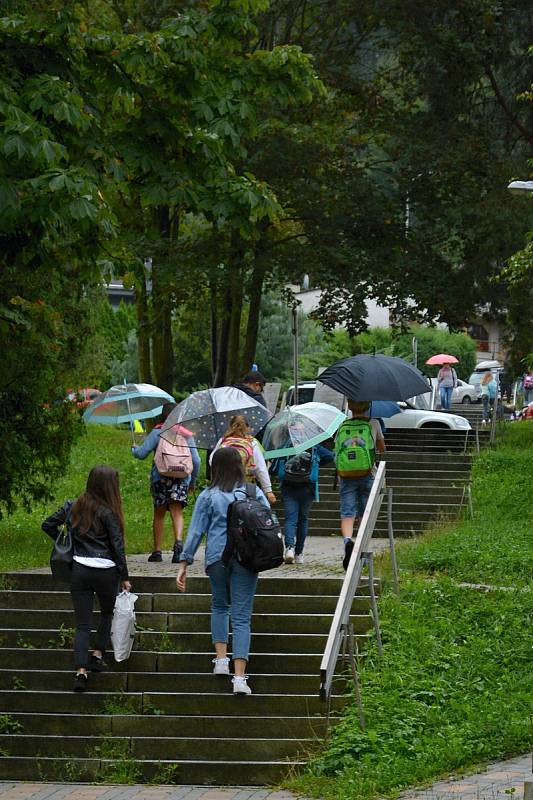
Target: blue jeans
{"type": "Point", "coordinates": [232, 596]}
{"type": "Point", "coordinates": [445, 396]}
{"type": "Point", "coordinates": [297, 501]}
{"type": "Point", "coordinates": [354, 494]}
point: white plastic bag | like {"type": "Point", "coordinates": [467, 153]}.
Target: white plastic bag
{"type": "Point", "coordinates": [123, 625]}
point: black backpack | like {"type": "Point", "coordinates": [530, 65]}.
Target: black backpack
{"type": "Point", "coordinates": [301, 469]}
{"type": "Point", "coordinates": [254, 534]}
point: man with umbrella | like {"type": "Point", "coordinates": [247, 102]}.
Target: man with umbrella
{"type": "Point", "coordinates": [253, 384]}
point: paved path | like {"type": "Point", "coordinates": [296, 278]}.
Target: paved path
{"type": "Point", "coordinates": [323, 558]}
{"type": "Point", "coordinates": [501, 781]}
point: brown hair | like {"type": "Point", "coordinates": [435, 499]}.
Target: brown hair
{"type": "Point", "coordinates": [238, 426]}
{"type": "Point", "coordinates": [227, 469]}
{"type": "Point", "coordinates": [167, 409]}
{"type": "Point", "coordinates": [487, 377]}
{"type": "Point", "coordinates": [358, 407]}
{"type": "Point", "coordinates": [103, 489]}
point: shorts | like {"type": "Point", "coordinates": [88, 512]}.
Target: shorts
{"type": "Point", "coordinates": [354, 494]}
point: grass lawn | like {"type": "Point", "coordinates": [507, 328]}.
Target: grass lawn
{"type": "Point", "coordinates": [454, 686]}
{"type": "Point", "coordinates": [23, 543]}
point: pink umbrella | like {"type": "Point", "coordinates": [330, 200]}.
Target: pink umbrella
{"type": "Point", "coordinates": [442, 358]}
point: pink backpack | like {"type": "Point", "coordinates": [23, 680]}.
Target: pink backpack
{"type": "Point", "coordinates": [174, 459]}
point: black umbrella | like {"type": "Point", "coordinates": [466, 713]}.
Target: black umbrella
{"type": "Point", "coordinates": [376, 377]}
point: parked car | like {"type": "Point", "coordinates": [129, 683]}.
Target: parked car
{"type": "Point", "coordinates": [82, 397]}
{"type": "Point", "coordinates": [306, 391]}
{"type": "Point", "coordinates": [414, 413]}
{"type": "Point", "coordinates": [412, 417]}
{"type": "Point", "coordinates": [463, 393]}
{"type": "Point", "coordinates": [481, 368]}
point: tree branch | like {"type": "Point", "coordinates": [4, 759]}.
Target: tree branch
{"type": "Point", "coordinates": [528, 135]}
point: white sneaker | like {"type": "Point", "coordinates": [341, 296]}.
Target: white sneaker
{"type": "Point", "coordinates": [483, 421]}
{"type": "Point", "coordinates": [299, 559]}
{"type": "Point", "coordinates": [221, 666]}
{"type": "Point", "coordinates": [289, 555]}
{"type": "Point", "coordinates": [240, 685]}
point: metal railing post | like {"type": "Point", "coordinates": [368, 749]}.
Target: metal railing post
{"type": "Point", "coordinates": [390, 531]}
{"type": "Point", "coordinates": [355, 677]}
{"type": "Point", "coordinates": [369, 558]}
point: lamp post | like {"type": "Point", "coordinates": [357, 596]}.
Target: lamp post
{"type": "Point", "coordinates": [304, 286]}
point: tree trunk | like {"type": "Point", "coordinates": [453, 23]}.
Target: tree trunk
{"type": "Point", "coordinates": [163, 355]}
{"type": "Point", "coordinates": [223, 341]}
{"type": "Point", "coordinates": [214, 330]}
{"type": "Point", "coordinates": [236, 279]}
{"type": "Point", "coordinates": [254, 309]}
{"type": "Point", "coordinates": [143, 333]}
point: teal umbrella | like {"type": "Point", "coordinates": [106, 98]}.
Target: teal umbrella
{"type": "Point", "coordinates": [298, 428]}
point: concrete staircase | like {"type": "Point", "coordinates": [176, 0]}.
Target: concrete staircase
{"type": "Point", "coordinates": [428, 471]}
{"type": "Point", "coordinates": [162, 716]}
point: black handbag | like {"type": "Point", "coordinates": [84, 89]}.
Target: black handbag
{"type": "Point", "coordinates": [62, 554]}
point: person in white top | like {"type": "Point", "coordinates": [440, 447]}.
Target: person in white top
{"type": "Point", "coordinates": [239, 437]}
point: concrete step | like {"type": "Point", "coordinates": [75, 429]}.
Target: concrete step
{"type": "Point", "coordinates": [245, 773]}
{"type": "Point", "coordinates": [154, 726]}
{"type": "Point", "coordinates": [151, 661]}
{"type": "Point", "coordinates": [177, 641]}
{"type": "Point", "coordinates": [176, 602]}
{"type": "Point", "coordinates": [161, 703]}
{"type": "Point", "coordinates": [149, 748]}
{"type": "Point", "coordinates": [186, 622]}
{"type": "Point", "coordinates": [189, 683]}
{"type": "Point", "coordinates": [149, 584]}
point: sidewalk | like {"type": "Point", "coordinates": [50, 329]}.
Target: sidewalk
{"type": "Point", "coordinates": [503, 779]}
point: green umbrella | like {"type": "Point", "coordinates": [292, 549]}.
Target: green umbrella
{"type": "Point", "coordinates": [298, 428]}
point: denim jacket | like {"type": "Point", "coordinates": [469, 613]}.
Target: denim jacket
{"type": "Point", "coordinates": [209, 517]}
{"type": "Point", "coordinates": [150, 444]}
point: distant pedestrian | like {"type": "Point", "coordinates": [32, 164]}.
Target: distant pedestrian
{"type": "Point", "coordinates": [527, 385]}
{"type": "Point", "coordinates": [489, 390]}
{"type": "Point", "coordinates": [356, 443]}
{"type": "Point", "coordinates": [447, 381]}
{"type": "Point", "coordinates": [298, 476]}
{"type": "Point", "coordinates": [168, 493]}
{"type": "Point", "coordinates": [253, 384]}
{"type": "Point", "coordinates": [232, 585]}
{"type": "Point", "coordinates": [239, 436]}
{"type": "Point", "coordinates": [97, 525]}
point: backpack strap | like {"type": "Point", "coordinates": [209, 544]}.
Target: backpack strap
{"type": "Point", "coordinates": [251, 491]}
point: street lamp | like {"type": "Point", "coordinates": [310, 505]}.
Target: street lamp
{"type": "Point", "coordinates": [304, 286]}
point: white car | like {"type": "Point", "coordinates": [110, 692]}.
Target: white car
{"type": "Point", "coordinates": [411, 417]}
{"type": "Point", "coordinates": [463, 393]}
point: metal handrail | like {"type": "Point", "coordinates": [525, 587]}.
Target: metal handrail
{"type": "Point", "coordinates": [341, 617]}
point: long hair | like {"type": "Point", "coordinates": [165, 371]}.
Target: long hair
{"type": "Point", "coordinates": [103, 489]}
{"type": "Point", "coordinates": [227, 470]}
{"type": "Point", "coordinates": [487, 377]}
{"type": "Point", "coordinates": [167, 409]}
{"type": "Point", "coordinates": [238, 426]}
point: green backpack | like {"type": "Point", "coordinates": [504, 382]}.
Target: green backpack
{"type": "Point", "coordinates": [354, 449]}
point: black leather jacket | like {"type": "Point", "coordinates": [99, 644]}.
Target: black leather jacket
{"type": "Point", "coordinates": [251, 393]}
{"type": "Point", "coordinates": [105, 542]}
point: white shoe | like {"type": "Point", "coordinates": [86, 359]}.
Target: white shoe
{"type": "Point", "coordinates": [289, 555]}
{"type": "Point", "coordinates": [240, 685]}
{"type": "Point", "coordinates": [483, 421]}
{"type": "Point", "coordinates": [221, 666]}
{"type": "Point", "coordinates": [299, 559]}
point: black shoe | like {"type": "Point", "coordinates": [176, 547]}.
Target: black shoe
{"type": "Point", "coordinates": [178, 547]}
{"type": "Point", "coordinates": [80, 682]}
{"type": "Point", "coordinates": [97, 664]}
{"type": "Point", "coordinates": [348, 547]}
{"type": "Point", "coordinates": [156, 556]}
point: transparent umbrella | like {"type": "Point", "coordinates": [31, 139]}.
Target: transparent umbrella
{"type": "Point", "coordinates": [208, 413]}
{"type": "Point", "coordinates": [126, 402]}
{"type": "Point", "coordinates": [299, 428]}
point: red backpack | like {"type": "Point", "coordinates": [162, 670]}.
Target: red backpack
{"type": "Point", "coordinates": [173, 459]}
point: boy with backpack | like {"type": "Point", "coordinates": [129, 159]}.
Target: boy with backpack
{"type": "Point", "coordinates": [298, 476]}
{"type": "Point", "coordinates": [356, 443]}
